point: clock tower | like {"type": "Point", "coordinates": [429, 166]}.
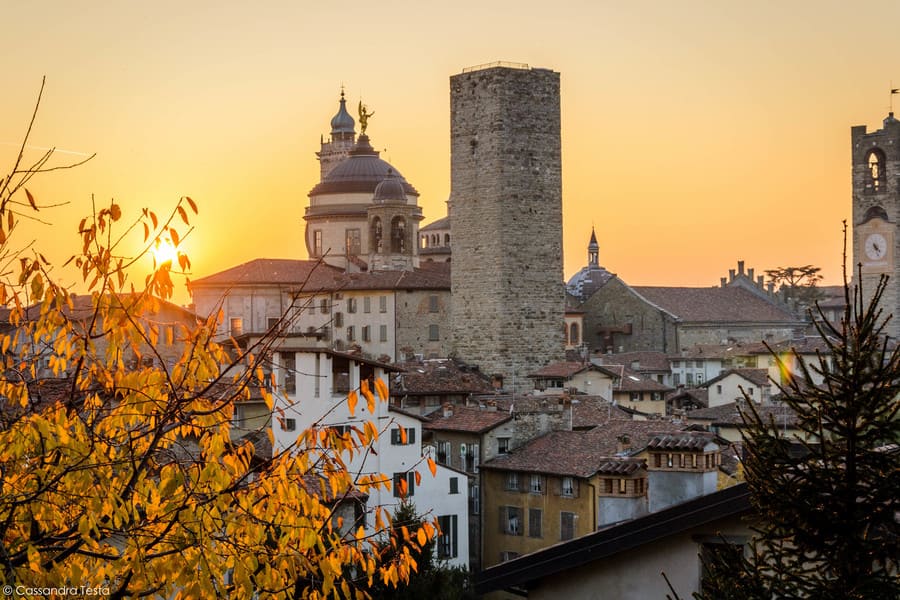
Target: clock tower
{"type": "Point", "coordinates": [876, 213]}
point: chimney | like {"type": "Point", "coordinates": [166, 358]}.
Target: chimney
{"type": "Point", "coordinates": [740, 267]}
{"type": "Point", "coordinates": [750, 274]}
{"type": "Point", "coordinates": [723, 281]}
{"type": "Point", "coordinates": [760, 282]}
{"type": "Point", "coordinates": [448, 410]}
{"type": "Point", "coordinates": [731, 274]}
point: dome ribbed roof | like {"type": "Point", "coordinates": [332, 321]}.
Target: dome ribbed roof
{"type": "Point", "coordinates": [362, 171]}
{"type": "Point", "coordinates": [342, 122]}
{"type": "Point", "coordinates": [390, 189]}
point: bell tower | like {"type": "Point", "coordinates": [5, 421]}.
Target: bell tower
{"type": "Point", "coordinates": [876, 212]}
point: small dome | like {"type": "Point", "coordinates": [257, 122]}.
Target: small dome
{"type": "Point", "coordinates": [342, 122]}
{"type": "Point", "coordinates": [390, 189]}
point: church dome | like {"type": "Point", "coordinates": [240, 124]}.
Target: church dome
{"type": "Point", "coordinates": [390, 189]}
{"type": "Point", "coordinates": [342, 122]}
{"type": "Point", "coordinates": [360, 172]}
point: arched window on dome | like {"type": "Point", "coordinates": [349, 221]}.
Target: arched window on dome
{"type": "Point", "coordinates": [399, 242]}
{"type": "Point", "coordinates": [377, 235]}
{"type": "Point", "coordinates": [573, 335]}
{"type": "Point", "coordinates": [875, 164]}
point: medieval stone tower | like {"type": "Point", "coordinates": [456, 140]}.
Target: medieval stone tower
{"type": "Point", "coordinates": [508, 295]}
{"type": "Point", "coordinates": [876, 213]}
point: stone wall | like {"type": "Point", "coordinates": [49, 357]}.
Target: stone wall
{"type": "Point", "coordinates": [616, 305]}
{"type": "Point", "coordinates": [417, 313]}
{"type": "Point", "coordinates": [506, 190]}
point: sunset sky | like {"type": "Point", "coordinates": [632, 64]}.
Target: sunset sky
{"type": "Point", "coordinates": [694, 134]}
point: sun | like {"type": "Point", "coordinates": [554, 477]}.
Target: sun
{"type": "Point", "coordinates": [164, 251]}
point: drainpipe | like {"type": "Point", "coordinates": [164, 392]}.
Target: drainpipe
{"type": "Point", "coordinates": [594, 506]}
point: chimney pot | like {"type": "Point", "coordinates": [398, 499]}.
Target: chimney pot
{"type": "Point", "coordinates": [741, 267]}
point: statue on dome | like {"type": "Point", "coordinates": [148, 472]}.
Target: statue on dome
{"type": "Point", "coordinates": [364, 115]}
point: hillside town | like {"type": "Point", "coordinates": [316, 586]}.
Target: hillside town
{"type": "Point", "coordinates": [563, 435]}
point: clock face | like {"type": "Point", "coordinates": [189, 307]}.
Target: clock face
{"type": "Point", "coordinates": [876, 246]}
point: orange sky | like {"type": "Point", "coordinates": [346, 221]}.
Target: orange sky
{"type": "Point", "coordinates": [694, 134]}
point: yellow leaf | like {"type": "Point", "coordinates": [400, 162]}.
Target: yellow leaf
{"type": "Point", "coordinates": [352, 399]}
{"type": "Point", "coordinates": [421, 537]}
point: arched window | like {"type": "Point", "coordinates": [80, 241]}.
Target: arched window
{"type": "Point", "coordinates": [424, 242]}
{"type": "Point", "coordinates": [377, 235]}
{"type": "Point", "coordinates": [447, 239]}
{"type": "Point", "coordinates": [875, 164]}
{"type": "Point", "coordinates": [573, 335]}
{"type": "Point", "coordinates": [399, 243]}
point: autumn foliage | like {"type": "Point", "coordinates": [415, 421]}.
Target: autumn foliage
{"type": "Point", "coordinates": [120, 471]}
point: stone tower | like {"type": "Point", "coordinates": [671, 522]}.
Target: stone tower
{"type": "Point", "coordinates": [508, 295]}
{"type": "Point", "coordinates": [876, 212]}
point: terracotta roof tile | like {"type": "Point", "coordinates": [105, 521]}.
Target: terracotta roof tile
{"type": "Point", "coordinates": [315, 274]}
{"type": "Point", "coordinates": [642, 361]}
{"type": "Point", "coordinates": [444, 376]}
{"type": "Point", "coordinates": [688, 440]}
{"type": "Point", "coordinates": [467, 419]}
{"type": "Point", "coordinates": [758, 377]}
{"type": "Point", "coordinates": [729, 414]}
{"type": "Point", "coordinates": [567, 369]}
{"type": "Point", "coordinates": [715, 304]}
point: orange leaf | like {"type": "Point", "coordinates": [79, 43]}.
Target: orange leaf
{"type": "Point", "coordinates": [174, 235]}
{"type": "Point", "coordinates": [403, 435]}
{"type": "Point", "coordinates": [432, 467]}
{"type": "Point", "coordinates": [115, 212]}
{"type": "Point", "coordinates": [381, 389]}
{"type": "Point", "coordinates": [418, 478]}
{"type": "Point", "coordinates": [31, 199]}
{"type": "Point", "coordinates": [352, 399]}
{"type": "Point", "coordinates": [191, 202]}
{"type": "Point", "coordinates": [183, 214]}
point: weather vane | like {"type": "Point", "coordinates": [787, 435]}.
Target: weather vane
{"type": "Point", "coordinates": [364, 115]}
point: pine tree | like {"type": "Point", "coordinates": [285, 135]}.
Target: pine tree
{"type": "Point", "coordinates": [826, 504]}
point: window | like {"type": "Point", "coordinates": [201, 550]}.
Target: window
{"type": "Point", "coordinates": [506, 556]}
{"type": "Point", "coordinates": [367, 305]}
{"type": "Point", "coordinates": [502, 445]}
{"type": "Point", "coordinates": [689, 378]}
{"type": "Point", "coordinates": [351, 305]}
{"type": "Point", "coordinates": [323, 306]}
{"type": "Point", "coordinates": [511, 520]}
{"type": "Point", "coordinates": [353, 241]}
{"type": "Point", "coordinates": [382, 333]}
{"type": "Point", "coordinates": [676, 364]}
{"type": "Point", "coordinates": [749, 391]}
{"type": "Point", "coordinates": [433, 304]}
{"type": "Point", "coordinates": [289, 366]}
{"type": "Point", "coordinates": [237, 417]}
{"type": "Point", "coordinates": [475, 500]}
{"type": "Point", "coordinates": [875, 163]}
{"type": "Point", "coordinates": [288, 424]}
{"type": "Point", "coordinates": [382, 304]}
{"type": "Point", "coordinates": [367, 333]}
{"type": "Point", "coordinates": [447, 541]}
{"type": "Point", "coordinates": [568, 487]}
{"type": "Point", "coordinates": [454, 485]}
{"type": "Point", "coordinates": [403, 437]}
{"type": "Point", "coordinates": [443, 453]}
{"type": "Point", "coordinates": [512, 481]}
{"type": "Point", "coordinates": [534, 522]}
{"type": "Point", "coordinates": [623, 486]}
{"type": "Point", "coordinates": [317, 243]}
{"type": "Point", "coordinates": [676, 379]}
{"type": "Point", "coordinates": [537, 484]}
{"type": "Point", "coordinates": [635, 396]}
{"type": "Point", "coordinates": [433, 333]}
{"type": "Point", "coordinates": [718, 389]}
{"type": "Point", "coordinates": [699, 378]}
{"type": "Point", "coordinates": [236, 325]}
{"type": "Point", "coordinates": [404, 484]}
{"type": "Point", "coordinates": [351, 333]}
{"type": "Point", "coordinates": [607, 486]}
{"type": "Point", "coordinates": [566, 525]}
{"type": "Point", "coordinates": [573, 334]}
{"type": "Point", "coordinates": [338, 319]}
{"type": "Point", "coordinates": [272, 323]}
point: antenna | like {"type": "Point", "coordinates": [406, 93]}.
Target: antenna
{"type": "Point", "coordinates": [893, 91]}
